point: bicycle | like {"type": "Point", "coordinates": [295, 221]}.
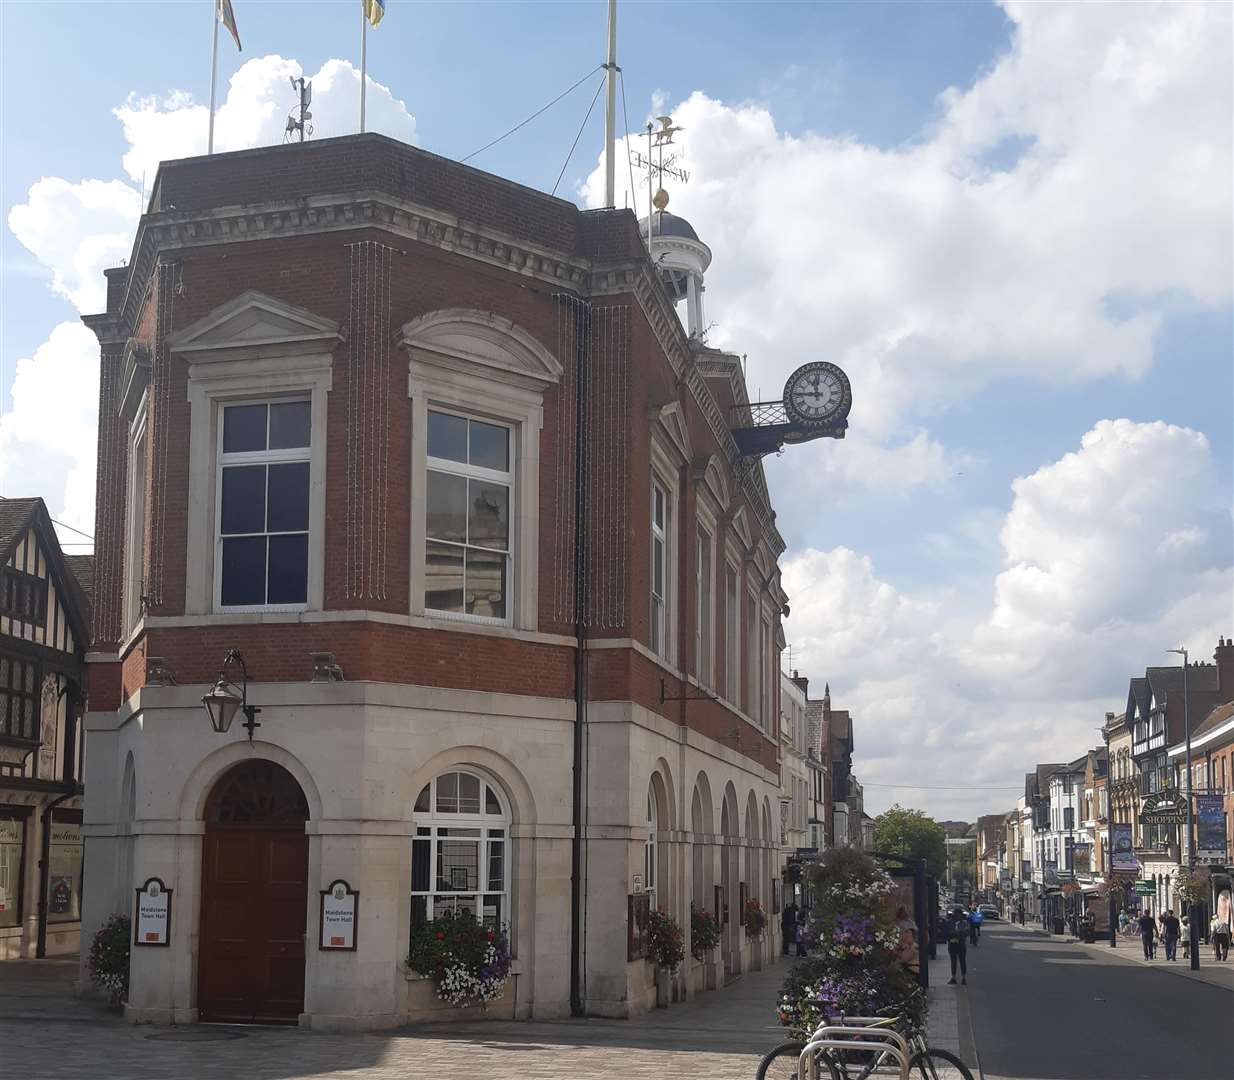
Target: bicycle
{"type": "Point", "coordinates": [925, 1062]}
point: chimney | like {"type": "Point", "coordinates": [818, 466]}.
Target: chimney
{"type": "Point", "coordinates": [802, 684]}
{"type": "Point", "coordinates": [1224, 656]}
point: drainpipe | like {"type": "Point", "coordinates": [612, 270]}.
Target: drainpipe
{"type": "Point", "coordinates": [582, 325]}
{"type": "Point", "coordinates": [40, 951]}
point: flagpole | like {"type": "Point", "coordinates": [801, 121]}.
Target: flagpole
{"type": "Point", "coordinates": [363, 61]}
{"type": "Point", "coordinates": [214, 70]}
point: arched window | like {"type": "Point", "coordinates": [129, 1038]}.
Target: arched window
{"type": "Point", "coordinates": [459, 855]}
{"type": "Point", "coordinates": [649, 845]}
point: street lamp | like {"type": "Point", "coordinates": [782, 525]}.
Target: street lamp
{"type": "Point", "coordinates": [222, 702]}
{"type": "Point", "coordinates": [1193, 909]}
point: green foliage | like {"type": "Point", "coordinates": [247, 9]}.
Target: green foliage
{"type": "Point", "coordinates": [108, 962]}
{"type": "Point", "coordinates": [900, 831]}
{"type": "Point", "coordinates": [704, 932]}
{"type": "Point", "coordinates": [664, 940]}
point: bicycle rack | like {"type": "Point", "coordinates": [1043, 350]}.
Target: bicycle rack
{"type": "Point", "coordinates": [823, 1039]}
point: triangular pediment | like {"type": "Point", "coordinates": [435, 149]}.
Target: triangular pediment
{"type": "Point", "coordinates": [672, 422]}
{"type": "Point", "coordinates": [254, 323]}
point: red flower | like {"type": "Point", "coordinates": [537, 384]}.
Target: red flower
{"type": "Point", "coordinates": [441, 936]}
{"type": "Point", "coordinates": [490, 935]}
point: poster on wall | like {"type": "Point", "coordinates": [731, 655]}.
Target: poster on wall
{"type": "Point", "coordinates": [152, 926]}
{"type": "Point", "coordinates": [64, 852]}
{"type": "Point", "coordinates": [1123, 855]}
{"type": "Point", "coordinates": [338, 917]}
{"type": "Point", "coordinates": [1210, 828]}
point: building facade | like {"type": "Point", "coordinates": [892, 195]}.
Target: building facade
{"type": "Point", "coordinates": [434, 455]}
{"type": "Point", "coordinates": [44, 631]}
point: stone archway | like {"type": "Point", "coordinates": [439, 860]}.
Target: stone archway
{"type": "Point", "coordinates": [254, 897]}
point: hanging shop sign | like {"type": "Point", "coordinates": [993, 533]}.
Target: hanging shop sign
{"type": "Point", "coordinates": [1164, 808]}
{"type": "Point", "coordinates": [1210, 844]}
{"type": "Point", "coordinates": [152, 926]}
{"type": "Point", "coordinates": [339, 904]}
{"type": "Point", "coordinates": [1123, 848]}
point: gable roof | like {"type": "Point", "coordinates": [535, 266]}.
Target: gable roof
{"type": "Point", "coordinates": [19, 515]}
{"type": "Point", "coordinates": [1214, 720]}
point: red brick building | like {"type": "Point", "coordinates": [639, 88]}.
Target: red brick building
{"type": "Point", "coordinates": [406, 435]}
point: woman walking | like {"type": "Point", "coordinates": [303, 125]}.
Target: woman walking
{"type": "Point", "coordinates": [957, 943]}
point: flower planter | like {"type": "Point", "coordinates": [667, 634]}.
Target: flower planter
{"type": "Point", "coordinates": [664, 986]}
{"type": "Point", "coordinates": [423, 1005]}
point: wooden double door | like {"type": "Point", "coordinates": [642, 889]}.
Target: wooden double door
{"type": "Point", "coordinates": [254, 906]}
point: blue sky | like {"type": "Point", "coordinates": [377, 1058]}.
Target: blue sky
{"type": "Point", "coordinates": [1010, 224]}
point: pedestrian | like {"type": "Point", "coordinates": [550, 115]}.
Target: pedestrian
{"type": "Point", "coordinates": [788, 925]}
{"type": "Point", "coordinates": [802, 935]}
{"type": "Point", "coordinates": [957, 930]}
{"type": "Point", "coordinates": [1171, 929]}
{"type": "Point", "coordinates": [1185, 939]}
{"type": "Point", "coordinates": [975, 919]}
{"type": "Point", "coordinates": [1124, 920]}
{"type": "Point", "coordinates": [1148, 935]}
{"type": "Point", "coordinates": [1220, 933]}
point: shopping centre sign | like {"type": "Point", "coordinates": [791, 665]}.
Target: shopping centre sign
{"type": "Point", "coordinates": [1164, 808]}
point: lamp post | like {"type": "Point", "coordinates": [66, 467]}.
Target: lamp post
{"type": "Point", "coordinates": [1193, 909]}
{"type": "Point", "coordinates": [222, 702]}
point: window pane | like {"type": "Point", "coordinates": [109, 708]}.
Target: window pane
{"type": "Point", "coordinates": [421, 864]}
{"type": "Point", "coordinates": [419, 911]}
{"type": "Point", "coordinates": [468, 794]}
{"type": "Point", "coordinates": [657, 506]}
{"type": "Point", "coordinates": [442, 904]}
{"type": "Point", "coordinates": [288, 497]}
{"type": "Point", "coordinates": [491, 805]}
{"type": "Point", "coordinates": [447, 793]}
{"type": "Point", "coordinates": [488, 515]}
{"type": "Point", "coordinates": [458, 865]}
{"type": "Point", "coordinates": [244, 571]}
{"type": "Point", "coordinates": [289, 425]}
{"type": "Point", "coordinates": [422, 800]}
{"type": "Point", "coordinates": [496, 865]}
{"type": "Point", "coordinates": [486, 584]}
{"type": "Point", "coordinates": [244, 428]}
{"type": "Point", "coordinates": [244, 500]}
{"type": "Point", "coordinates": [493, 914]}
{"type": "Point", "coordinates": [490, 446]}
{"type": "Point", "coordinates": [443, 586]}
{"type": "Point", "coordinates": [446, 512]}
{"type": "Point", "coordinates": [447, 436]}
{"type": "Point", "coordinates": [288, 569]}
{"type": "Point", "coordinates": [657, 566]}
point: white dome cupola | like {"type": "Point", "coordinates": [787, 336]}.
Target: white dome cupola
{"type": "Point", "coordinates": [681, 259]}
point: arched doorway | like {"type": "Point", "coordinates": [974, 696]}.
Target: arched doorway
{"type": "Point", "coordinates": [254, 898]}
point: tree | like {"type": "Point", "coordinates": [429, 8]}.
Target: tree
{"type": "Point", "coordinates": [900, 831]}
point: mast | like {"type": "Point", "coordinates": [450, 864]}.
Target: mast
{"type": "Point", "coordinates": [610, 108]}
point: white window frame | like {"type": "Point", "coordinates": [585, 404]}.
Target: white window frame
{"type": "Point", "coordinates": [259, 457]}
{"type": "Point", "coordinates": [704, 615]}
{"type": "Point", "coordinates": [658, 533]}
{"type": "Point", "coordinates": [135, 519]}
{"type": "Point", "coordinates": [433, 384]}
{"type": "Point", "coordinates": [484, 823]}
{"type": "Point", "coordinates": [732, 632]}
{"type": "Point", "coordinates": [509, 478]}
{"type": "Point", "coordinates": [649, 846]}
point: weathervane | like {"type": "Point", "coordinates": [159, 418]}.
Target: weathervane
{"type": "Point", "coordinates": [656, 166]}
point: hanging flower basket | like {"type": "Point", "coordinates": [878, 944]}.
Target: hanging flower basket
{"type": "Point", "coordinates": [704, 933]}
{"type": "Point", "coordinates": [666, 947]}
{"type": "Point", "coordinates": [754, 917]}
{"type": "Point", "coordinates": [108, 962]}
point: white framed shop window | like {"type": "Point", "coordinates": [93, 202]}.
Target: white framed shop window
{"type": "Point", "coordinates": [460, 853]}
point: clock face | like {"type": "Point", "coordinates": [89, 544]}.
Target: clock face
{"type": "Point", "coordinates": [817, 394]}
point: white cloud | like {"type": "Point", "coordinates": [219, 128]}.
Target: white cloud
{"type": "Point", "coordinates": [77, 230]}
{"type": "Point", "coordinates": [47, 441]}
{"type": "Point", "coordinates": [930, 269]}
{"type": "Point", "coordinates": [254, 113]}
{"type": "Point", "coordinates": [1087, 597]}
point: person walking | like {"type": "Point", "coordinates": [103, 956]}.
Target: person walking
{"type": "Point", "coordinates": [1171, 930]}
{"type": "Point", "coordinates": [788, 926]}
{"type": "Point", "coordinates": [1185, 939]}
{"type": "Point", "coordinates": [957, 930]}
{"type": "Point", "coordinates": [1148, 935]}
{"type": "Point", "coordinates": [1219, 931]}
{"type": "Point", "coordinates": [975, 919]}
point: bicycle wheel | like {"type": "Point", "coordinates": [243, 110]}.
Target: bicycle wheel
{"type": "Point", "coordinates": [931, 1064]}
{"type": "Point", "coordinates": [781, 1063]}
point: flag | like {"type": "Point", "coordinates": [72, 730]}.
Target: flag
{"type": "Point", "coordinates": [373, 10]}
{"type": "Point", "coordinates": [228, 18]}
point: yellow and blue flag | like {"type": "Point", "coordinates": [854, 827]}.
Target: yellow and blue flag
{"type": "Point", "coordinates": [374, 10]}
{"type": "Point", "coordinates": [227, 17]}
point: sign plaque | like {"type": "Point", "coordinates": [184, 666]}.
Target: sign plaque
{"type": "Point", "coordinates": [152, 926]}
{"type": "Point", "coordinates": [338, 917]}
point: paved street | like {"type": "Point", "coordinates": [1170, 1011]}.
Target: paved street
{"type": "Point", "coordinates": [1044, 1008]}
